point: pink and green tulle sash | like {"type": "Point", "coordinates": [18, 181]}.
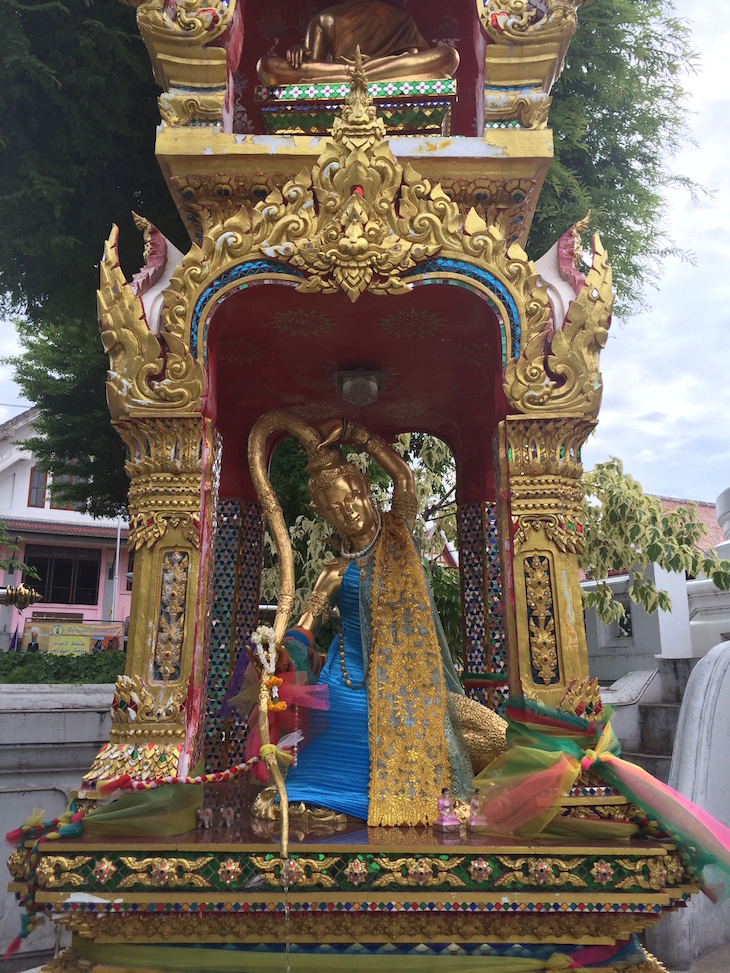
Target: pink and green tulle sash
{"type": "Point", "coordinates": [522, 791]}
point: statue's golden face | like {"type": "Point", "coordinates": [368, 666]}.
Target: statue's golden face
{"type": "Point", "coordinates": [346, 506]}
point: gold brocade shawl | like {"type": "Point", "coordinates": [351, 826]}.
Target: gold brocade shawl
{"type": "Point", "coordinates": [406, 688]}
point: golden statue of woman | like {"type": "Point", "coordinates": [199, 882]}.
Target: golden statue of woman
{"type": "Point", "coordinates": [389, 41]}
{"type": "Point", "coordinates": [392, 737]}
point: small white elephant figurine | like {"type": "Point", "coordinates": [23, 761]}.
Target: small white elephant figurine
{"type": "Point", "coordinates": [205, 817]}
{"type": "Point", "coordinates": [227, 815]}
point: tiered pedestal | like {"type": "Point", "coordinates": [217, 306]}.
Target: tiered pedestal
{"type": "Point", "coordinates": [355, 891]}
{"type": "Point", "coordinates": [406, 107]}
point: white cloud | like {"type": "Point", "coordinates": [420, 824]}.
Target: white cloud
{"type": "Point", "coordinates": [666, 373]}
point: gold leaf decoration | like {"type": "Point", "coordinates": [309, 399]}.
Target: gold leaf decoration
{"type": "Point", "coordinates": [139, 374]}
{"type": "Point", "coordinates": [534, 872]}
{"type": "Point", "coordinates": [54, 871]}
{"type": "Point", "coordinates": [558, 374]}
{"type": "Point", "coordinates": [358, 221]}
{"type": "Point", "coordinates": [309, 872]}
{"type": "Point", "coordinates": [423, 871]}
{"type": "Point", "coordinates": [165, 872]}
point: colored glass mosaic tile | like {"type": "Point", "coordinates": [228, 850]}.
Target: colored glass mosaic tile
{"type": "Point", "coordinates": [496, 635]}
{"type": "Point", "coordinates": [234, 616]}
{"type": "Point", "coordinates": [341, 89]}
{"type": "Point", "coordinates": [471, 570]}
{"type": "Point", "coordinates": [483, 629]}
{"type": "Point", "coordinates": [317, 117]}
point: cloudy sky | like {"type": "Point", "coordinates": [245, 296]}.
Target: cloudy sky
{"type": "Point", "coordinates": [666, 373]}
{"type": "Point", "coordinates": [666, 406]}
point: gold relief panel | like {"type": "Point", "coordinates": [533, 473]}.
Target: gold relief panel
{"type": "Point", "coordinates": [652, 873]}
{"type": "Point", "coordinates": [423, 871]}
{"type": "Point", "coordinates": [205, 199]}
{"type": "Point", "coordinates": [171, 619]}
{"type": "Point", "coordinates": [309, 872]}
{"type": "Point", "coordinates": [545, 469]}
{"type": "Point", "coordinates": [165, 872]}
{"type": "Point", "coordinates": [180, 39]}
{"type": "Point", "coordinates": [536, 872]}
{"type": "Point", "coordinates": [318, 927]}
{"type": "Point", "coordinates": [191, 107]}
{"type": "Point", "coordinates": [528, 42]}
{"type": "Point", "coordinates": [54, 871]}
{"type": "Point", "coordinates": [146, 733]}
{"type": "Point", "coordinates": [68, 962]}
{"type": "Point", "coordinates": [530, 108]}
{"type": "Point", "coordinates": [17, 863]}
{"type": "Point", "coordinates": [541, 619]}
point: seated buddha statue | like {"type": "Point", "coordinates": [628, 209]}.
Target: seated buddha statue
{"type": "Point", "coordinates": [391, 45]}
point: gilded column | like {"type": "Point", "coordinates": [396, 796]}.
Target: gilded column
{"type": "Point", "coordinates": [154, 391]}
{"type": "Point", "coordinates": [158, 708]}
{"type": "Point", "coordinates": [542, 537]}
{"type": "Point", "coordinates": [553, 390]}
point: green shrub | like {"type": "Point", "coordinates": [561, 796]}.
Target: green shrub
{"type": "Point", "coordinates": [32, 667]}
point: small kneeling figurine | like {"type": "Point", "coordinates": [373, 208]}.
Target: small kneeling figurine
{"type": "Point", "coordinates": [447, 819]}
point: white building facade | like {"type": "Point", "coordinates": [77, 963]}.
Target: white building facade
{"type": "Point", "coordinates": [81, 577]}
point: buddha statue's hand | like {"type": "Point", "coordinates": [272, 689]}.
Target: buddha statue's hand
{"type": "Point", "coordinates": [297, 54]}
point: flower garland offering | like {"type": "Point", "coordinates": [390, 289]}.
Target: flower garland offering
{"type": "Point", "coordinates": [264, 645]}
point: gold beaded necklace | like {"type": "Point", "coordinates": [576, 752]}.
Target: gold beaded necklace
{"type": "Point", "coordinates": [343, 667]}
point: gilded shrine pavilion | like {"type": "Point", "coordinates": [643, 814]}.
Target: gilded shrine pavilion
{"type": "Point", "coordinates": [358, 182]}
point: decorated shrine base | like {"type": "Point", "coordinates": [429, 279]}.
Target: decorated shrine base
{"type": "Point", "coordinates": [359, 897]}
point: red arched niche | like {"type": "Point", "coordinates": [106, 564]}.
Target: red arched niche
{"type": "Point", "coordinates": [437, 349]}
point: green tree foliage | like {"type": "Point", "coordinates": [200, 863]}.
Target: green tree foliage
{"type": "Point", "coordinates": [626, 531]}
{"type": "Point", "coordinates": [37, 668]}
{"type": "Point", "coordinates": [78, 110]}
{"type": "Point", "coordinates": [8, 549]}
{"type": "Point", "coordinates": [619, 116]}
{"type": "Point", "coordinates": [61, 366]}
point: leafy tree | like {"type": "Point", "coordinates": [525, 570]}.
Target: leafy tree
{"type": "Point", "coordinates": [78, 111]}
{"type": "Point", "coordinates": [78, 114]}
{"type": "Point", "coordinates": [626, 531]}
{"type": "Point", "coordinates": [8, 549]}
{"type": "Point", "coordinates": [619, 116]}
{"type": "Point", "coordinates": [63, 366]}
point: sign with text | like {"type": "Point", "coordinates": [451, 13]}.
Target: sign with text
{"type": "Point", "coordinates": [58, 637]}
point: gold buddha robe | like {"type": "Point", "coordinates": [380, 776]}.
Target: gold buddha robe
{"type": "Point", "coordinates": [379, 29]}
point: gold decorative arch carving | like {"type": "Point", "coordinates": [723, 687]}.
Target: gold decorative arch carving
{"type": "Point", "coordinates": [358, 221]}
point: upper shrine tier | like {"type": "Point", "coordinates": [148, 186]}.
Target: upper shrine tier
{"type": "Point", "coordinates": [251, 90]}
